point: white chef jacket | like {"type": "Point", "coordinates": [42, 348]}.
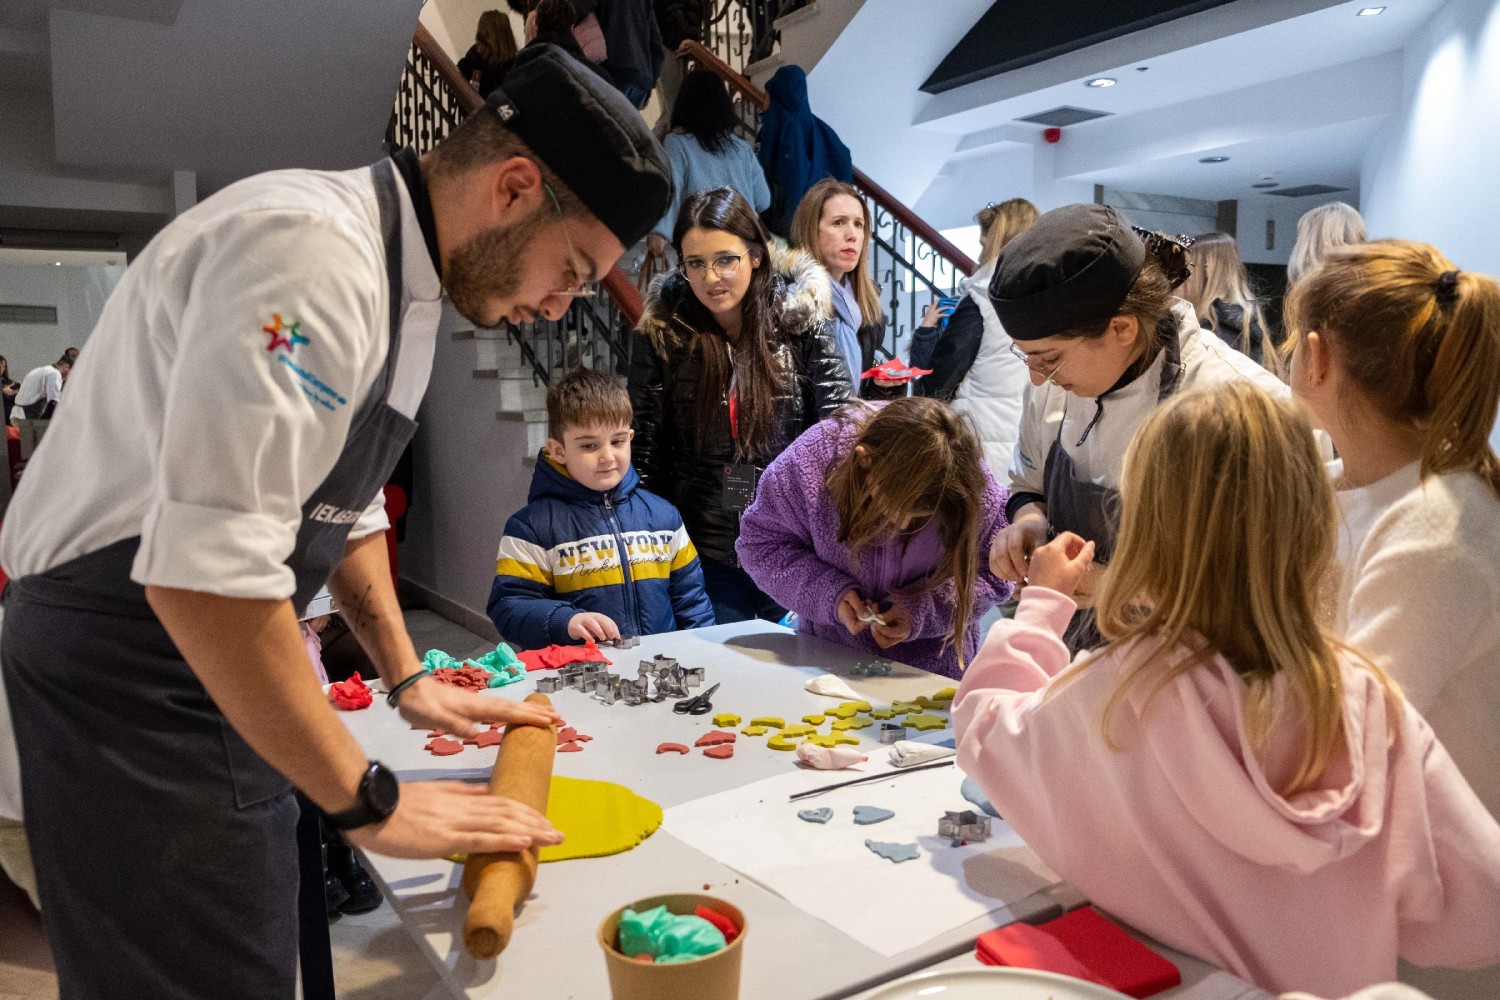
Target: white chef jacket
{"type": "Point", "coordinates": [44, 383]}
{"type": "Point", "coordinates": [223, 377]}
{"type": "Point", "coordinates": [1206, 361]}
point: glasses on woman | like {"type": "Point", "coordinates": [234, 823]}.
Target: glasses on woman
{"type": "Point", "coordinates": [1047, 372]}
{"type": "Point", "coordinates": [725, 267]}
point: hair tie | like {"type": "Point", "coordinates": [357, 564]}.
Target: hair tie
{"type": "Point", "coordinates": [1446, 288]}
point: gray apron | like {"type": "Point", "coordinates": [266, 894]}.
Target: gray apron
{"type": "Point", "coordinates": [1089, 509]}
{"type": "Point", "coordinates": [164, 845]}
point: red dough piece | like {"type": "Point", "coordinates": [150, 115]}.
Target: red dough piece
{"type": "Point", "coordinates": [723, 923]}
{"type": "Point", "coordinates": [435, 734]}
{"type": "Point", "coordinates": [556, 656]}
{"type": "Point", "coordinates": [350, 695]}
{"type": "Point", "coordinates": [714, 737]}
{"type": "Point", "coordinates": [671, 748]}
{"type": "Point", "coordinates": [488, 738]}
{"type": "Point", "coordinates": [645, 957]}
{"type": "Point", "coordinates": [470, 678]}
{"type": "Point", "coordinates": [722, 752]}
{"type": "Point", "coordinates": [569, 748]}
{"type": "Point", "coordinates": [444, 747]}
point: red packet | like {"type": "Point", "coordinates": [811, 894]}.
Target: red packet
{"type": "Point", "coordinates": [1083, 944]}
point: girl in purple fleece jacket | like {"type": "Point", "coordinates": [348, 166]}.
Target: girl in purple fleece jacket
{"type": "Point", "coordinates": [881, 512]}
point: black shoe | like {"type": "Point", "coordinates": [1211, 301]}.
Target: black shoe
{"type": "Point", "coordinates": [361, 893]}
{"type": "Point", "coordinates": [333, 889]}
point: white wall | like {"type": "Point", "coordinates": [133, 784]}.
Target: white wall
{"type": "Point", "coordinates": [1255, 212]}
{"type": "Point", "coordinates": [1431, 176]}
{"type": "Point", "coordinates": [76, 291]}
{"type": "Point", "coordinates": [453, 22]}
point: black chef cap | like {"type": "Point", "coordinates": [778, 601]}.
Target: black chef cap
{"type": "Point", "coordinates": [587, 134]}
{"type": "Point", "coordinates": [1071, 270]}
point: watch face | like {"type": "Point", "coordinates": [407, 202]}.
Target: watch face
{"type": "Point", "coordinates": [385, 790]}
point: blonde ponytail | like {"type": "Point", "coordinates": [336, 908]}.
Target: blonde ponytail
{"type": "Point", "coordinates": [1419, 338]}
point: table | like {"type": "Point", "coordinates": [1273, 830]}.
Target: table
{"type": "Point", "coordinates": [789, 956]}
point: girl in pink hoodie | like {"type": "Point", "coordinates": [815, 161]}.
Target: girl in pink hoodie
{"type": "Point", "coordinates": [1222, 774]}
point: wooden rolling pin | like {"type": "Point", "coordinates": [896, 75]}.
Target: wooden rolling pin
{"type": "Point", "coordinates": [498, 883]}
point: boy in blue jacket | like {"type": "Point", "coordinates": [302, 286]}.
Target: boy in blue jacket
{"type": "Point", "coordinates": [559, 577]}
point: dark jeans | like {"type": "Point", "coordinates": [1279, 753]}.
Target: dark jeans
{"type": "Point", "coordinates": [635, 94]}
{"type": "Point", "coordinates": [735, 596]}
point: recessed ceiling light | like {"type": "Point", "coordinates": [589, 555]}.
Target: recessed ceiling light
{"type": "Point", "coordinates": [1369, 11]}
{"type": "Point", "coordinates": [1214, 159]}
{"type": "Point", "coordinates": [57, 263]}
{"type": "Point", "coordinates": [1101, 81]}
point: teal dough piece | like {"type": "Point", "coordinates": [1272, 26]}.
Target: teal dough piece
{"type": "Point", "coordinates": [865, 815]}
{"type": "Point", "coordinates": [667, 937]}
{"type": "Point", "coordinates": [815, 815]}
{"type": "Point", "coordinates": [894, 852]}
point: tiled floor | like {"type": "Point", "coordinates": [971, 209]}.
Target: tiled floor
{"type": "Point", "coordinates": [374, 958]}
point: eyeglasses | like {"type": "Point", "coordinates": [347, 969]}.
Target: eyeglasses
{"type": "Point", "coordinates": [1048, 375]}
{"type": "Point", "coordinates": [725, 266]}
{"type": "Point", "coordinates": [575, 288]}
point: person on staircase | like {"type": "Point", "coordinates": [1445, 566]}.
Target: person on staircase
{"type": "Point", "coordinates": [493, 51]}
{"type": "Point", "coordinates": [796, 148]}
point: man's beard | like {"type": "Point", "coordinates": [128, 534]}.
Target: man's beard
{"type": "Point", "coordinates": [490, 267]}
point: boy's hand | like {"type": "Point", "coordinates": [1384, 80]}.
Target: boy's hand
{"type": "Point", "coordinates": [896, 630]}
{"type": "Point", "coordinates": [593, 625]}
{"type": "Point", "coordinates": [1061, 564]}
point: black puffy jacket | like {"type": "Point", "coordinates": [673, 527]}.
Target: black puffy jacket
{"type": "Point", "coordinates": [663, 380]}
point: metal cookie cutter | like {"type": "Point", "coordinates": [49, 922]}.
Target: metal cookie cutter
{"type": "Point", "coordinates": [892, 732]}
{"type": "Point", "coordinates": [958, 827]}
{"type": "Point", "coordinates": [549, 685]}
{"type": "Point", "coordinates": [695, 675]}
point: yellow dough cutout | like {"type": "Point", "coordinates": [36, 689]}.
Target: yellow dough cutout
{"type": "Point", "coordinates": [597, 818]}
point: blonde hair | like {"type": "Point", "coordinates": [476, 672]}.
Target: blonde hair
{"type": "Point", "coordinates": [805, 222]}
{"type": "Point", "coordinates": [1320, 230]}
{"type": "Point", "coordinates": [1419, 339]}
{"type": "Point", "coordinates": [999, 224]}
{"type": "Point", "coordinates": [1219, 275]}
{"type": "Point", "coordinates": [1192, 567]}
{"type": "Point", "coordinates": [495, 38]}
{"type": "Point", "coordinates": [920, 459]}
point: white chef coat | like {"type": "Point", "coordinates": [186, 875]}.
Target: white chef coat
{"type": "Point", "coordinates": [1206, 361]}
{"type": "Point", "coordinates": [223, 377]}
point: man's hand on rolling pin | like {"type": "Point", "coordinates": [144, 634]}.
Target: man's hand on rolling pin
{"type": "Point", "coordinates": [436, 818]}
{"type": "Point", "coordinates": [454, 710]}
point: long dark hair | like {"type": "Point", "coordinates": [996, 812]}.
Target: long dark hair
{"type": "Point", "coordinates": [758, 380]}
{"type": "Point", "coordinates": [4, 368]}
{"type": "Point", "coordinates": [703, 110]}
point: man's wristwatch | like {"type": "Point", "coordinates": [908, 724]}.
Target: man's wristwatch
{"type": "Point", "coordinates": [379, 791]}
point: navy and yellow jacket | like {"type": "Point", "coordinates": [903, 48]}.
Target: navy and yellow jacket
{"type": "Point", "coordinates": [561, 555]}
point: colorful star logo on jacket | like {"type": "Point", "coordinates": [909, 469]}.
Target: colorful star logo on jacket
{"type": "Point", "coordinates": [287, 335]}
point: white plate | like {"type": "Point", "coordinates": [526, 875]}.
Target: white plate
{"type": "Point", "coordinates": [999, 983]}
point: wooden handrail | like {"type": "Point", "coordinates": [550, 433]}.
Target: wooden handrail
{"type": "Point", "coordinates": [914, 223]}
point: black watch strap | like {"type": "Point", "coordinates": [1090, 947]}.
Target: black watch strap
{"type": "Point", "coordinates": [379, 791]}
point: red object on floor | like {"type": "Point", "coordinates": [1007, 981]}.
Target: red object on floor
{"type": "Point", "coordinates": [395, 506]}
{"type": "Point", "coordinates": [714, 737]}
{"type": "Point", "coordinates": [569, 747]}
{"type": "Point", "coordinates": [350, 695]}
{"type": "Point", "coordinates": [722, 752]}
{"type": "Point", "coordinates": [1083, 944]}
{"type": "Point", "coordinates": [557, 656]}
{"type": "Point", "coordinates": [723, 923]}
{"type": "Point", "coordinates": [488, 738]}
{"type": "Point", "coordinates": [444, 747]}
{"type": "Point", "coordinates": [672, 748]}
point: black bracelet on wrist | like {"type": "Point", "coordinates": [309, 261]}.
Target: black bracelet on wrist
{"type": "Point", "coordinates": [395, 692]}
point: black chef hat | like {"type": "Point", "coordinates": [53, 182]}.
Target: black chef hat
{"type": "Point", "coordinates": [1071, 270]}
{"type": "Point", "coordinates": [587, 134]}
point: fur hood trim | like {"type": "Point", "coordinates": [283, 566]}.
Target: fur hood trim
{"type": "Point", "coordinates": [803, 289]}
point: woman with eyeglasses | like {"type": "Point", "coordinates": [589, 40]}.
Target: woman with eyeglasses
{"type": "Point", "coordinates": [1088, 301]}
{"type": "Point", "coordinates": [733, 358]}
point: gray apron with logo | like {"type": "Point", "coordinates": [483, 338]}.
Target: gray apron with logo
{"type": "Point", "coordinates": [164, 845]}
{"type": "Point", "coordinates": [1089, 509]}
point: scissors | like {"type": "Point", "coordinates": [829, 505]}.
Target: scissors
{"type": "Point", "coordinates": [696, 705]}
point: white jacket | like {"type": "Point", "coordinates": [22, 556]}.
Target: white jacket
{"type": "Point", "coordinates": [993, 390]}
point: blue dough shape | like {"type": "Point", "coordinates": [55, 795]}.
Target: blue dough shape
{"type": "Point", "coordinates": [970, 790]}
{"type": "Point", "coordinates": [815, 815]}
{"type": "Point", "coordinates": [894, 852]}
{"type": "Point", "coordinates": [865, 815]}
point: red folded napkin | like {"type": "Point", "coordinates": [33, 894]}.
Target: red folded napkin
{"type": "Point", "coordinates": [556, 656]}
{"type": "Point", "coordinates": [1085, 945]}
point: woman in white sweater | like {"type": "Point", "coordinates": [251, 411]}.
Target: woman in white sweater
{"type": "Point", "coordinates": [1397, 353]}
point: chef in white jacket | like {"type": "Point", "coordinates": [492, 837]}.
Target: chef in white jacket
{"type": "Point", "coordinates": [256, 375]}
{"type": "Point", "coordinates": [1088, 301]}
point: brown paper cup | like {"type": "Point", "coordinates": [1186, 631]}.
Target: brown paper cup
{"type": "Point", "coordinates": [713, 977]}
